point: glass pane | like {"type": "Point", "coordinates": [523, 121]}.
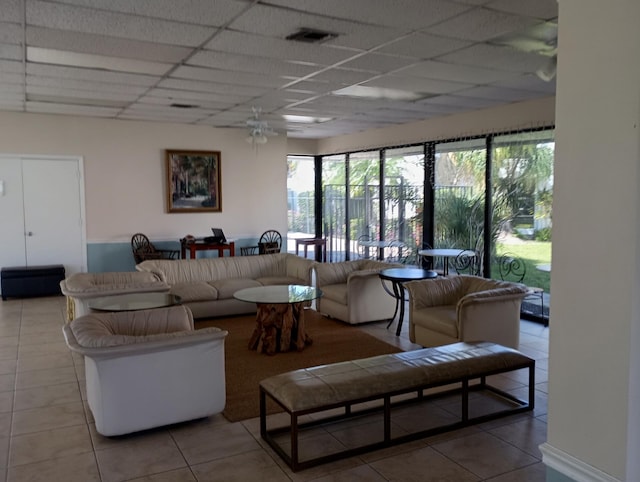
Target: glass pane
{"type": "Point", "coordinates": [364, 196]}
{"type": "Point", "coordinates": [459, 184]}
{"type": "Point", "coordinates": [300, 199]}
{"type": "Point", "coordinates": [334, 216]}
{"type": "Point", "coordinates": [522, 178]}
{"type": "Point", "coordinates": [404, 200]}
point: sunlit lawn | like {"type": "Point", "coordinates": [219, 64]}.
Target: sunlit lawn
{"type": "Point", "coordinates": [532, 253]}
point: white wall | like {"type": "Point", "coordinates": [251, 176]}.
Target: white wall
{"type": "Point", "coordinates": [125, 180]}
{"type": "Point", "coordinates": [596, 228]}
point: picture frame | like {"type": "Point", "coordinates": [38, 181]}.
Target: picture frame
{"type": "Point", "coordinates": [193, 181]}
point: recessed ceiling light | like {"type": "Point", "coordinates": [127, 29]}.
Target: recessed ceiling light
{"type": "Point", "coordinates": [367, 92]}
{"type": "Point", "coordinates": [76, 59]}
{"type": "Point", "coordinates": [306, 119]}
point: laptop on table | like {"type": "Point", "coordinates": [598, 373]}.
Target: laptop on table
{"type": "Point", "coordinates": [217, 238]}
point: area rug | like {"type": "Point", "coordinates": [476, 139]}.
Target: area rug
{"type": "Point", "coordinates": [333, 341]}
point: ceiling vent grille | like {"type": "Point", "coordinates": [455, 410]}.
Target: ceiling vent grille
{"type": "Point", "coordinates": [311, 36]}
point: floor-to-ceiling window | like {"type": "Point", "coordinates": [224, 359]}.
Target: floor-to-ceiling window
{"type": "Point", "coordinates": [522, 193]}
{"type": "Point", "coordinates": [334, 206]}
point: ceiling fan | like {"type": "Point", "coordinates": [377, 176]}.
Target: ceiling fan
{"type": "Point", "coordinates": [259, 129]}
{"type": "Point", "coordinates": [541, 39]}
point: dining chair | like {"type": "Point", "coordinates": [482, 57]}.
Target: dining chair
{"type": "Point", "coordinates": [513, 268]}
{"type": "Point", "coordinates": [144, 249]}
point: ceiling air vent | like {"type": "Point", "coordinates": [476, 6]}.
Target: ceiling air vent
{"type": "Point", "coordinates": [311, 36]}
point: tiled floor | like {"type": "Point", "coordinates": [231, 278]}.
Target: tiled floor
{"type": "Point", "coordinates": [47, 432]}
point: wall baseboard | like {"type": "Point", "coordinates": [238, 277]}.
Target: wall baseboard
{"type": "Point", "coordinates": [572, 467]}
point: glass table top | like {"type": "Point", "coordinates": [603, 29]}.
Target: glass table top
{"type": "Point", "coordinates": [133, 302]}
{"type": "Point", "coordinates": [278, 294]}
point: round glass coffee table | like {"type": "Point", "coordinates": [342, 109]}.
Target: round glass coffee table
{"type": "Point", "coordinates": [280, 318]}
{"type": "Point", "coordinates": [133, 302]}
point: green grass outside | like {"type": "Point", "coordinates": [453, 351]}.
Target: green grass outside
{"type": "Point", "coordinates": [532, 253]}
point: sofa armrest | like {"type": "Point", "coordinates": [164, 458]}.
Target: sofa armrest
{"type": "Point", "coordinates": [299, 267]}
{"type": "Point", "coordinates": [515, 291]}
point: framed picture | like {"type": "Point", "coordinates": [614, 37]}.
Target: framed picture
{"type": "Point", "coordinates": [193, 181]}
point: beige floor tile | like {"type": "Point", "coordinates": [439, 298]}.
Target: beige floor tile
{"type": "Point", "coordinates": [48, 395]}
{"type": "Point", "coordinates": [532, 473]}
{"type": "Point", "coordinates": [8, 366]}
{"type": "Point", "coordinates": [527, 435]}
{"type": "Point", "coordinates": [73, 468]}
{"type": "Point", "coordinates": [254, 465]}
{"type": "Point", "coordinates": [7, 382]}
{"type": "Point", "coordinates": [41, 349]}
{"type": "Point", "coordinates": [484, 455]}
{"type": "Point", "coordinates": [422, 465]}
{"type": "Point", "coordinates": [50, 444]}
{"type": "Point", "coordinates": [207, 441]}
{"type": "Point", "coordinates": [50, 376]}
{"type": "Point", "coordinates": [9, 352]}
{"type": "Point", "coordinates": [179, 475]}
{"type": "Point", "coordinates": [9, 329]}
{"type": "Point", "coordinates": [141, 457]}
{"type": "Point", "coordinates": [57, 360]}
{"type": "Point", "coordinates": [7, 341]}
{"type": "Point", "coordinates": [48, 418]}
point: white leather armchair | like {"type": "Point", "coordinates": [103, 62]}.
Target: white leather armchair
{"type": "Point", "coordinates": [148, 368]}
{"type": "Point", "coordinates": [352, 291]}
{"type": "Point", "coordinates": [464, 308]}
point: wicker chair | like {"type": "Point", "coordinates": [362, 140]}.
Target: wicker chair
{"type": "Point", "coordinates": [144, 249]}
{"type": "Point", "coordinates": [270, 242]}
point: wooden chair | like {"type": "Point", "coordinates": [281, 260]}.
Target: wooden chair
{"type": "Point", "coordinates": [512, 268]}
{"type": "Point", "coordinates": [270, 242]}
{"type": "Point", "coordinates": [144, 249]}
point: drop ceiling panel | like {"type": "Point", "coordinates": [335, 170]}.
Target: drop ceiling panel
{"type": "Point", "coordinates": [417, 84]}
{"type": "Point", "coordinates": [543, 9]}
{"type": "Point", "coordinates": [454, 72]}
{"type": "Point", "coordinates": [213, 87]}
{"type": "Point", "coordinates": [10, 52]}
{"type": "Point", "coordinates": [195, 97]}
{"type": "Point", "coordinates": [408, 14]}
{"type": "Point", "coordinates": [11, 11]}
{"type": "Point", "coordinates": [497, 94]}
{"type": "Point", "coordinates": [378, 63]}
{"type": "Point", "coordinates": [88, 86]}
{"type": "Point", "coordinates": [250, 63]}
{"type": "Point", "coordinates": [228, 77]}
{"type": "Point", "coordinates": [247, 44]}
{"type": "Point", "coordinates": [496, 57]}
{"type": "Point", "coordinates": [482, 24]}
{"type": "Point", "coordinates": [10, 33]}
{"type": "Point", "coordinates": [528, 82]}
{"type": "Point", "coordinates": [424, 46]}
{"type": "Point", "coordinates": [70, 109]}
{"type": "Point", "coordinates": [80, 19]}
{"type": "Point", "coordinates": [63, 72]}
{"type": "Point", "coordinates": [104, 45]}
{"type": "Point", "coordinates": [201, 12]}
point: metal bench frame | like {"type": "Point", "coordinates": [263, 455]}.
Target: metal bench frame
{"type": "Point", "coordinates": [465, 388]}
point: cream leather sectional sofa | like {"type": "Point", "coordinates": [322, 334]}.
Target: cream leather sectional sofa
{"type": "Point", "coordinates": [207, 285]}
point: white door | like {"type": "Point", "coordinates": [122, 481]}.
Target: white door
{"type": "Point", "coordinates": [45, 207]}
{"type": "Point", "coordinates": [52, 215]}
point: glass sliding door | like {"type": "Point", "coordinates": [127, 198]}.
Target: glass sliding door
{"type": "Point", "coordinates": [334, 206]}
{"type": "Point", "coordinates": [300, 199]}
{"type": "Point", "coordinates": [522, 185]}
{"type": "Point", "coordinates": [364, 196]}
{"type": "Point", "coordinates": [404, 199]}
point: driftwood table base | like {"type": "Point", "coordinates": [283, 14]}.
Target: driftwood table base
{"type": "Point", "coordinates": [279, 328]}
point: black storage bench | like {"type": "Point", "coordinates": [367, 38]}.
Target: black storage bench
{"type": "Point", "coordinates": [27, 281]}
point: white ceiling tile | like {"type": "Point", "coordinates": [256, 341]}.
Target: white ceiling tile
{"type": "Point", "coordinates": [378, 63]}
{"type": "Point", "coordinates": [499, 94]}
{"type": "Point", "coordinates": [417, 84]}
{"type": "Point", "coordinates": [343, 76]}
{"type": "Point", "coordinates": [105, 45]}
{"type": "Point", "coordinates": [197, 97]}
{"type": "Point", "coordinates": [543, 9]}
{"type": "Point", "coordinates": [11, 11]}
{"type": "Point", "coordinates": [70, 109]}
{"type": "Point", "coordinates": [80, 19]}
{"type": "Point", "coordinates": [481, 24]}
{"type": "Point", "coordinates": [528, 82]}
{"type": "Point", "coordinates": [242, 43]}
{"type": "Point", "coordinates": [467, 103]}
{"type": "Point", "coordinates": [10, 33]}
{"type": "Point", "coordinates": [10, 52]}
{"type": "Point", "coordinates": [86, 86]}
{"type": "Point", "coordinates": [213, 87]}
{"type": "Point", "coordinates": [91, 61]}
{"type": "Point", "coordinates": [8, 78]}
{"type": "Point", "coordinates": [202, 12]}
{"type": "Point", "coordinates": [250, 63]}
{"type": "Point", "coordinates": [424, 46]}
{"type": "Point", "coordinates": [13, 89]}
{"type": "Point", "coordinates": [63, 72]}
{"type": "Point", "coordinates": [496, 57]}
{"type": "Point", "coordinates": [228, 77]}
{"type": "Point", "coordinates": [80, 94]}
{"type": "Point", "coordinates": [408, 14]}
{"type": "Point", "coordinates": [455, 72]}
{"type": "Point", "coordinates": [11, 66]}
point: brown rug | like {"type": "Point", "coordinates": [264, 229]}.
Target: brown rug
{"type": "Point", "coordinates": [333, 341]}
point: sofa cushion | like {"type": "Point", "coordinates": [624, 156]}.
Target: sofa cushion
{"type": "Point", "coordinates": [336, 292]}
{"type": "Point", "coordinates": [441, 319]}
{"type": "Point", "coordinates": [195, 291]}
{"type": "Point", "coordinates": [227, 287]}
{"type": "Point", "coordinates": [280, 280]}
